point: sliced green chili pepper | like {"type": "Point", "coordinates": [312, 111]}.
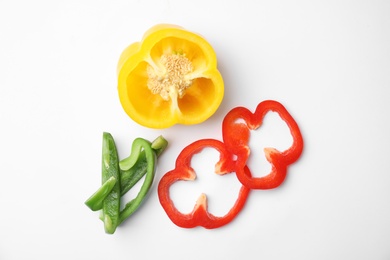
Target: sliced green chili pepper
{"type": "Point", "coordinates": [118, 177]}
{"type": "Point", "coordinates": [110, 168]}
{"type": "Point", "coordinates": [95, 202]}
{"type": "Point", "coordinates": [128, 177]}
{"type": "Point", "coordinates": [134, 167]}
{"type": "Point", "coordinates": [129, 162]}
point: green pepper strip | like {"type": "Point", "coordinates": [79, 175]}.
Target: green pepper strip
{"type": "Point", "coordinates": [134, 167]}
{"type": "Point", "coordinates": [129, 162]}
{"type": "Point", "coordinates": [141, 161]}
{"type": "Point", "coordinates": [95, 202]}
{"type": "Point", "coordinates": [110, 168]}
{"type": "Point", "coordinates": [128, 177]}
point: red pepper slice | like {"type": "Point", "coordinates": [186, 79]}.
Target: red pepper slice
{"type": "Point", "coordinates": [236, 138]}
{"type": "Point", "coordinates": [183, 171]}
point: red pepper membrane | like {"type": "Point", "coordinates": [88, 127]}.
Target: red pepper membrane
{"type": "Point", "coordinates": [183, 171]}
{"type": "Point", "coordinates": [236, 138]}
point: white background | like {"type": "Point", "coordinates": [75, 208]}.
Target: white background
{"type": "Point", "coordinates": [328, 62]}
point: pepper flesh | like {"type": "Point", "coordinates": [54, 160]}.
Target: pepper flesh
{"type": "Point", "coordinates": [110, 168]}
{"type": "Point", "coordinates": [95, 202]}
{"type": "Point", "coordinates": [169, 77]}
{"type": "Point", "coordinates": [116, 181]}
{"type": "Point", "coordinates": [150, 156]}
{"type": "Point", "coordinates": [236, 137]}
{"type": "Point", "coordinates": [183, 171]}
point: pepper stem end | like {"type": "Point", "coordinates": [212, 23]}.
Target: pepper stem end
{"type": "Point", "coordinates": [159, 145]}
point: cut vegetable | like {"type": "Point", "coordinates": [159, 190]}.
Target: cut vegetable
{"type": "Point", "coordinates": [183, 171]}
{"type": "Point", "coordinates": [110, 168]}
{"type": "Point", "coordinates": [169, 77]}
{"type": "Point", "coordinates": [116, 181]}
{"type": "Point", "coordinates": [236, 137]}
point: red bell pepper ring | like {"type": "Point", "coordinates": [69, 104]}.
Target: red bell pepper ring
{"type": "Point", "coordinates": [183, 171]}
{"type": "Point", "coordinates": [236, 138]}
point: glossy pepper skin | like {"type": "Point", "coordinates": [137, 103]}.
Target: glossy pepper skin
{"type": "Point", "coordinates": [183, 171]}
{"type": "Point", "coordinates": [139, 145]}
{"type": "Point", "coordinates": [110, 169]}
{"type": "Point", "coordinates": [118, 177]}
{"type": "Point", "coordinates": [236, 138]}
{"type": "Point", "coordinates": [169, 77]}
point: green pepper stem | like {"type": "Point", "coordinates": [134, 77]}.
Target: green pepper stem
{"type": "Point", "coordinates": [159, 145]}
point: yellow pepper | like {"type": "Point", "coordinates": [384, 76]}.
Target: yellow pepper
{"type": "Point", "coordinates": [169, 77]}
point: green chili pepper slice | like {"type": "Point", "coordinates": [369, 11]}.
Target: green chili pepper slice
{"type": "Point", "coordinates": [128, 177]}
{"type": "Point", "coordinates": [139, 145]}
{"type": "Point", "coordinates": [95, 202]}
{"type": "Point", "coordinates": [110, 168]}
{"type": "Point", "coordinates": [134, 167]}
{"type": "Point", "coordinates": [118, 177]}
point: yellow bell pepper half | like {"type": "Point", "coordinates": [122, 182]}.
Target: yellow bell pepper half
{"type": "Point", "coordinates": [169, 77]}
